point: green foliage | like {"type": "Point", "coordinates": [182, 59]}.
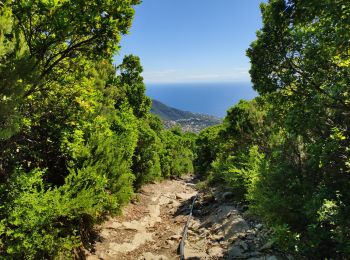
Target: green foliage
{"type": "Point", "coordinates": [76, 134]}
{"type": "Point", "coordinates": [287, 152]}
{"type": "Point", "coordinates": [207, 147]}
{"type": "Point", "coordinates": [232, 152]}
{"type": "Point", "coordinates": [177, 155]}
{"type": "Point", "coordinates": [99, 148]}
{"type": "Point", "coordinates": [41, 42]}
{"type": "Point", "coordinates": [13, 70]}
{"type": "Point", "coordinates": [241, 173]}
{"type": "Point", "coordinates": [130, 77]}
{"type": "Point", "coordinates": [146, 162]}
{"type": "Point", "coordinates": [299, 61]}
{"type": "Point", "coordinates": [39, 221]}
{"type": "Point", "coordinates": [86, 146]}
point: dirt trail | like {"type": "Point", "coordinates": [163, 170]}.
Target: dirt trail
{"type": "Point", "coordinates": [152, 226]}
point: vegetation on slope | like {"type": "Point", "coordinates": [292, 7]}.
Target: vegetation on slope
{"type": "Point", "coordinates": [169, 113]}
{"type": "Point", "coordinates": [287, 152]}
{"type": "Point", "coordinates": [188, 121]}
{"type": "Point", "coordinates": [77, 137]}
{"type": "Point", "coordinates": [76, 134]}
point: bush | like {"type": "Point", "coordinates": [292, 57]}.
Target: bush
{"type": "Point", "coordinates": [41, 222]}
{"type": "Point", "coordinates": [177, 156]}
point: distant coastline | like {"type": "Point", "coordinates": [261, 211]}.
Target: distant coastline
{"type": "Point", "coordinates": [206, 98]}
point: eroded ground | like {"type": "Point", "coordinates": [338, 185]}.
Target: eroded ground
{"type": "Point", "coordinates": [152, 227]}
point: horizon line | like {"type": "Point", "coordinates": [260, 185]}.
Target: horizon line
{"type": "Point", "coordinates": [196, 82]}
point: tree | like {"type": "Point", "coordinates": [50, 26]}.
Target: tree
{"type": "Point", "coordinates": [130, 77]}
{"type": "Point", "coordinates": [48, 40]}
{"type": "Point", "coordinates": [300, 64]}
{"type": "Point", "coordinates": [66, 150]}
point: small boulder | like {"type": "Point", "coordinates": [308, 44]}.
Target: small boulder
{"type": "Point", "coordinates": [235, 252]}
{"type": "Point", "coordinates": [243, 245]}
{"type": "Point", "coordinates": [258, 226]}
{"type": "Point", "coordinates": [215, 252]}
{"type": "Point", "coordinates": [176, 237]}
{"type": "Point", "coordinates": [268, 245]}
{"type": "Point", "coordinates": [170, 242]}
{"type": "Point", "coordinates": [150, 256]}
{"type": "Point", "coordinates": [227, 195]}
{"type": "Point", "coordinates": [271, 257]}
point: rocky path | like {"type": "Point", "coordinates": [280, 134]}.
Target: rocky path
{"type": "Point", "coordinates": [151, 227]}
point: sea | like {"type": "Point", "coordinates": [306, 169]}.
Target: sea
{"type": "Point", "coordinates": [206, 98]}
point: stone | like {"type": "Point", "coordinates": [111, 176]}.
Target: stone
{"type": "Point", "coordinates": [176, 237]}
{"type": "Point", "coordinates": [243, 245]}
{"type": "Point", "coordinates": [193, 253]}
{"type": "Point", "coordinates": [184, 196]}
{"type": "Point", "coordinates": [271, 257]}
{"type": "Point", "coordinates": [258, 226]}
{"type": "Point", "coordinates": [215, 252]}
{"type": "Point", "coordinates": [170, 242]}
{"type": "Point", "coordinates": [190, 232]}
{"type": "Point", "coordinates": [268, 245]}
{"type": "Point", "coordinates": [227, 195]}
{"type": "Point", "coordinates": [167, 246]}
{"type": "Point", "coordinates": [150, 256]}
{"type": "Point", "coordinates": [92, 257]}
{"type": "Point", "coordinates": [254, 256]}
{"type": "Point", "coordinates": [217, 237]}
{"type": "Point", "coordinates": [235, 252]}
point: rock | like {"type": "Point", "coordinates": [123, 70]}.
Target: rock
{"type": "Point", "coordinates": [150, 256]}
{"type": "Point", "coordinates": [167, 246]}
{"type": "Point", "coordinates": [191, 253]}
{"type": "Point", "coordinates": [227, 195]}
{"type": "Point", "coordinates": [176, 237]}
{"type": "Point", "coordinates": [190, 232]}
{"type": "Point", "coordinates": [217, 237]}
{"type": "Point", "coordinates": [215, 252]}
{"type": "Point", "coordinates": [271, 257]}
{"type": "Point", "coordinates": [184, 196]}
{"type": "Point", "coordinates": [258, 226]}
{"type": "Point", "coordinates": [155, 247]}
{"type": "Point", "coordinates": [197, 212]}
{"type": "Point", "coordinates": [254, 256]}
{"type": "Point", "coordinates": [235, 252]}
{"type": "Point", "coordinates": [195, 225]}
{"type": "Point", "coordinates": [104, 233]}
{"type": "Point", "coordinates": [290, 257]}
{"type": "Point", "coordinates": [268, 245]}
{"type": "Point", "coordinates": [170, 242]}
{"type": "Point", "coordinates": [244, 208]}
{"type": "Point", "coordinates": [243, 245]}
{"type": "Point", "coordinates": [92, 257]}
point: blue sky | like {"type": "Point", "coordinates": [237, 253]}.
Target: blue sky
{"type": "Point", "coordinates": [193, 40]}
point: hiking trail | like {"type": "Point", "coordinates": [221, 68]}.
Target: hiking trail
{"type": "Point", "coordinates": [151, 227]}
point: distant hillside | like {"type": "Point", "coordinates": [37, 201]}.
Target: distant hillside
{"type": "Point", "coordinates": [169, 113]}
{"type": "Point", "coordinates": [192, 122]}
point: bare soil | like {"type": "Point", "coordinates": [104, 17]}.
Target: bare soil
{"type": "Point", "coordinates": [152, 226]}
